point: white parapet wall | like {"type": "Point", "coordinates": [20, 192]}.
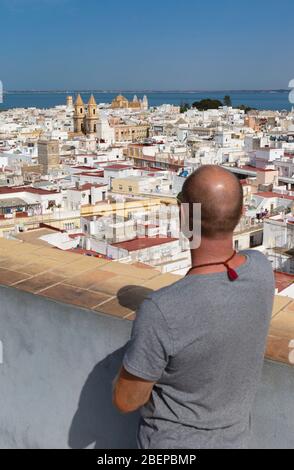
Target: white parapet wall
{"type": "Point", "coordinates": [58, 364]}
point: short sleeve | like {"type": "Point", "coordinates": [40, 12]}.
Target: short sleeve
{"type": "Point", "coordinates": [150, 346]}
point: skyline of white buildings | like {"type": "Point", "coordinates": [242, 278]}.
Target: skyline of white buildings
{"type": "Point", "coordinates": [101, 177]}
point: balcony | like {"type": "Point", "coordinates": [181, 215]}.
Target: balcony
{"type": "Point", "coordinates": [64, 322]}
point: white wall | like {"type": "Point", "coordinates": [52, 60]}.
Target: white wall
{"type": "Point", "coordinates": [59, 362]}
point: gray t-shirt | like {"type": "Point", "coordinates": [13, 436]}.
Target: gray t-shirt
{"type": "Point", "coordinates": [202, 340]}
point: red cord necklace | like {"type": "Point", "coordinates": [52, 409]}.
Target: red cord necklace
{"type": "Point", "coordinates": [232, 274]}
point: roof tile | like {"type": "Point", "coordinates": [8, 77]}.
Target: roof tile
{"type": "Point", "coordinates": [74, 296]}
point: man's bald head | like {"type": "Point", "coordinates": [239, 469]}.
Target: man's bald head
{"type": "Point", "coordinates": [220, 194]}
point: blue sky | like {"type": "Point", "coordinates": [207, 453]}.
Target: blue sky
{"type": "Point", "coordinates": [154, 44]}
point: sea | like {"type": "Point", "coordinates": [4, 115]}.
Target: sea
{"type": "Point", "coordinates": [265, 100]}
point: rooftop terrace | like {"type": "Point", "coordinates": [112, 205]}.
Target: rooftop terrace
{"type": "Point", "coordinates": [110, 287]}
{"type": "Point", "coordinates": [64, 321]}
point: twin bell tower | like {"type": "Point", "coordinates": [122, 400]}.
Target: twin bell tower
{"type": "Point", "coordinates": [85, 116]}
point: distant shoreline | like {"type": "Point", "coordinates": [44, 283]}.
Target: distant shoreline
{"type": "Point", "coordinates": [277, 99]}
{"type": "Point", "coordinates": [144, 91]}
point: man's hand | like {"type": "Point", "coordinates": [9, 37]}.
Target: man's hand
{"type": "Point", "coordinates": [130, 392]}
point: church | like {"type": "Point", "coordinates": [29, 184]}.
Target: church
{"type": "Point", "coordinates": [120, 102]}
{"type": "Point", "coordinates": [85, 116]}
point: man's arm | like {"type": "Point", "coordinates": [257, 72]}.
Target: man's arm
{"type": "Point", "coordinates": [145, 359]}
{"type": "Point", "coordinates": [130, 392]}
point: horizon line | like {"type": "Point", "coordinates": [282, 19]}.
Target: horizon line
{"type": "Point", "coordinates": [89, 90]}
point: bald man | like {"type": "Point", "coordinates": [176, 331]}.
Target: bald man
{"type": "Point", "coordinates": [196, 352]}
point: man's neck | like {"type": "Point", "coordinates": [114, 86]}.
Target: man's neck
{"type": "Point", "coordinates": [212, 250]}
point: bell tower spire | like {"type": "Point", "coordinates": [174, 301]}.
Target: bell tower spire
{"type": "Point", "coordinates": [92, 116]}
{"type": "Point", "coordinates": [79, 115]}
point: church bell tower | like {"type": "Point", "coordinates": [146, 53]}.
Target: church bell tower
{"type": "Point", "coordinates": [92, 116]}
{"type": "Point", "coordinates": [79, 116]}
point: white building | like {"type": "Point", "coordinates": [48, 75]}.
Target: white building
{"type": "Point", "coordinates": [86, 194]}
{"type": "Point", "coordinates": [279, 242]}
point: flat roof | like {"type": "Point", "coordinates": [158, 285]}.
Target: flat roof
{"type": "Point", "coordinates": [28, 189]}
{"type": "Point", "coordinates": [118, 167]}
{"type": "Point", "coordinates": [13, 202]}
{"type": "Point", "coordinates": [87, 186]}
{"type": "Point", "coordinates": [257, 170]}
{"type": "Point", "coordinates": [34, 236]}
{"type": "Point", "coordinates": [84, 167]}
{"type": "Point", "coordinates": [144, 242]}
{"type": "Point", "coordinates": [95, 174]}
{"type": "Point", "coordinates": [269, 194]}
{"type": "Point", "coordinates": [283, 280]}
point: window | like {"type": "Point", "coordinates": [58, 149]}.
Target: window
{"type": "Point", "coordinates": [120, 187]}
{"type": "Point", "coordinates": [81, 110]}
{"type": "Point", "coordinates": [130, 189]}
{"type": "Point", "coordinates": [236, 244]}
